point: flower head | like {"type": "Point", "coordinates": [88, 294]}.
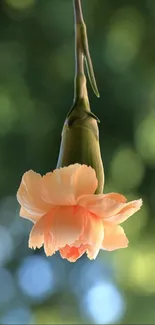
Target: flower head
{"type": "Point", "coordinates": [69, 217]}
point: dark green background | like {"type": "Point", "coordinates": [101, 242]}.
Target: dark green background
{"type": "Point", "coordinates": [36, 91]}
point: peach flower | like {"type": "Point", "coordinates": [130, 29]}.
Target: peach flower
{"type": "Point", "coordinates": [69, 217]}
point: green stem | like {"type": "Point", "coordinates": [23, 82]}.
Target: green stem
{"type": "Point", "coordinates": [79, 56]}
{"type": "Point", "coordinates": [81, 53]}
{"type": "Point", "coordinates": [78, 12]}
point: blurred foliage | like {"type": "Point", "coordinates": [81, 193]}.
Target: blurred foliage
{"type": "Point", "coordinates": [36, 90]}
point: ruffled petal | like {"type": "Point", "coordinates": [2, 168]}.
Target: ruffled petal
{"type": "Point", "coordinates": [67, 225]}
{"type": "Point", "coordinates": [92, 236]}
{"type": "Point", "coordinates": [72, 253]}
{"type": "Point", "coordinates": [24, 214]}
{"type": "Point", "coordinates": [104, 206]}
{"type": "Point", "coordinates": [29, 195]}
{"type": "Point", "coordinates": [128, 210]}
{"type": "Point", "coordinates": [64, 185]}
{"type": "Point", "coordinates": [36, 239]}
{"type": "Point", "coordinates": [59, 187]}
{"type": "Point", "coordinates": [40, 230]}
{"type": "Point", "coordinates": [49, 244]}
{"type": "Point", "coordinates": [114, 238]}
{"type": "Point", "coordinates": [60, 227]}
{"type": "Point", "coordinates": [85, 181]}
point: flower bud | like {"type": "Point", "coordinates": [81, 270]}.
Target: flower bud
{"type": "Point", "coordinates": [80, 140]}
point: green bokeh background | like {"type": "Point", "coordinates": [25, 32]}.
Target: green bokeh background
{"type": "Point", "coordinates": [36, 91]}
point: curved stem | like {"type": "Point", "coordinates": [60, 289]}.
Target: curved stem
{"type": "Point", "coordinates": [81, 53]}
{"type": "Point", "coordinates": [78, 11]}
{"type": "Point", "coordinates": [79, 57]}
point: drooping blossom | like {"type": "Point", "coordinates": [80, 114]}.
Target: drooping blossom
{"type": "Point", "coordinates": [69, 217]}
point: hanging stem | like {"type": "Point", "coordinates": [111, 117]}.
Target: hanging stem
{"type": "Point", "coordinates": [81, 53]}
{"type": "Point", "coordinates": [80, 81]}
{"type": "Point", "coordinates": [79, 57]}
{"type": "Point", "coordinates": [78, 12]}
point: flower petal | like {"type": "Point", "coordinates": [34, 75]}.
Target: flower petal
{"type": "Point", "coordinates": [67, 225]}
{"type": "Point", "coordinates": [36, 239]}
{"type": "Point", "coordinates": [85, 181]}
{"type": "Point", "coordinates": [49, 244]}
{"type": "Point", "coordinates": [104, 206]}
{"type": "Point", "coordinates": [114, 238]}
{"type": "Point", "coordinates": [64, 185]}
{"type": "Point", "coordinates": [29, 194]}
{"type": "Point", "coordinates": [128, 210]}
{"type": "Point", "coordinates": [93, 235]}
{"type": "Point", "coordinates": [58, 186]}
{"type": "Point", "coordinates": [116, 197]}
{"type": "Point", "coordinates": [24, 214]}
{"type": "Point", "coordinates": [72, 253]}
{"type": "Point", "coordinates": [60, 227]}
{"type": "Point", "coordinates": [39, 231]}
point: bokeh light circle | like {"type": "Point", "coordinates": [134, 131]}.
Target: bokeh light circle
{"type": "Point", "coordinates": [20, 4]}
{"type": "Point", "coordinates": [127, 168]}
{"type": "Point", "coordinates": [104, 303]}
{"type": "Point", "coordinates": [124, 38]}
{"type": "Point", "coordinates": [145, 139]}
{"type": "Point", "coordinates": [35, 277]}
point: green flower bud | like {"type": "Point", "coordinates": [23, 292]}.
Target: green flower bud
{"type": "Point", "coordinates": [80, 140]}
